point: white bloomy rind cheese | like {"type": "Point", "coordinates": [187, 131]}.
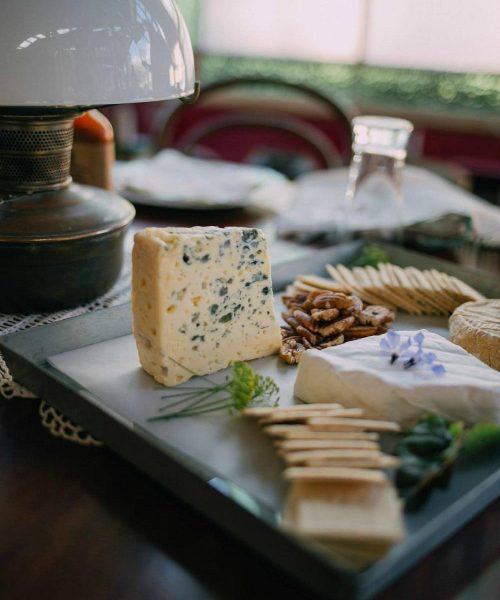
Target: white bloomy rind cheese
{"type": "Point", "coordinates": [201, 298]}
{"type": "Point", "coordinates": [476, 327]}
{"type": "Point", "coordinates": [357, 374]}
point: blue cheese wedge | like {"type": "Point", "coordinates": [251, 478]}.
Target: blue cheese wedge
{"type": "Point", "coordinates": [201, 298]}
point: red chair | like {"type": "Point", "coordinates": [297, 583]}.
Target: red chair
{"type": "Point", "coordinates": [263, 121]}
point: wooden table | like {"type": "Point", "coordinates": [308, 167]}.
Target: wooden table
{"type": "Point", "coordinates": [80, 523]}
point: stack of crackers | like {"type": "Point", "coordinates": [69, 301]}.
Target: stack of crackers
{"type": "Point", "coordinates": [415, 291]}
{"type": "Point", "coordinates": [339, 493]}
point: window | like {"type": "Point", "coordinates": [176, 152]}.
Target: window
{"type": "Point", "coordinates": [448, 35]}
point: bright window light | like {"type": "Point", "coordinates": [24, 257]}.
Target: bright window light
{"type": "Point", "coordinates": [449, 35]}
{"type": "Point", "coordinates": [316, 30]}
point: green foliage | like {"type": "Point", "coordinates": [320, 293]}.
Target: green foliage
{"type": "Point", "coordinates": [370, 256]}
{"type": "Point", "coordinates": [427, 452]}
{"type": "Point", "coordinates": [481, 437]}
{"type": "Point", "coordinates": [423, 90]}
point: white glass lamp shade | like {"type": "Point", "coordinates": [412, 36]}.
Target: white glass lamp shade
{"type": "Point", "coordinates": [64, 53]}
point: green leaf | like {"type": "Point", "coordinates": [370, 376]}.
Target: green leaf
{"type": "Point", "coordinates": [480, 437]}
{"type": "Point", "coordinates": [371, 256]}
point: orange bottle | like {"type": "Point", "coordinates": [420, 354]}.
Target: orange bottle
{"type": "Point", "coordinates": [93, 151]}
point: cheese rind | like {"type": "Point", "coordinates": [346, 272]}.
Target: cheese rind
{"type": "Point", "coordinates": [201, 298]}
{"type": "Point", "coordinates": [475, 326]}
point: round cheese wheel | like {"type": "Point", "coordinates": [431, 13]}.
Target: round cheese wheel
{"type": "Point", "coordinates": [476, 327]}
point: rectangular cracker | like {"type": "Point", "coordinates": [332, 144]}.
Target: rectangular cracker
{"type": "Point", "coordinates": [466, 289]}
{"type": "Point", "coordinates": [341, 424]}
{"type": "Point", "coordinates": [420, 282]}
{"type": "Point", "coordinates": [303, 287]}
{"type": "Point", "coordinates": [363, 279]}
{"type": "Point", "coordinates": [322, 283]}
{"type": "Point", "coordinates": [300, 432]}
{"type": "Point", "coordinates": [334, 474]}
{"type": "Point", "coordinates": [391, 289]}
{"type": "Point", "coordinates": [362, 513]}
{"type": "Point", "coordinates": [441, 287]}
{"type": "Point", "coordinates": [264, 411]}
{"type": "Point", "coordinates": [315, 444]}
{"type": "Point", "coordinates": [295, 416]}
{"type": "Point", "coordinates": [373, 462]}
{"type": "Point", "coordinates": [402, 287]}
{"type": "Point", "coordinates": [387, 292]}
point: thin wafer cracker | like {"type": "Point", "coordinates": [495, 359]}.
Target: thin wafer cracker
{"type": "Point", "coordinates": [300, 432]}
{"type": "Point", "coordinates": [322, 283]}
{"type": "Point", "coordinates": [315, 444]}
{"type": "Point", "coordinates": [303, 287]}
{"type": "Point", "coordinates": [420, 282]}
{"type": "Point", "coordinates": [297, 416]}
{"type": "Point", "coordinates": [354, 512]}
{"type": "Point", "coordinates": [387, 292]}
{"type": "Point", "coordinates": [367, 462]}
{"type": "Point", "coordinates": [263, 411]}
{"type": "Point", "coordinates": [341, 424]}
{"type": "Point", "coordinates": [334, 474]}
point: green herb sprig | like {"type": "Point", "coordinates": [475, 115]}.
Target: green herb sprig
{"type": "Point", "coordinates": [427, 453]}
{"type": "Point", "coordinates": [243, 388]}
{"type": "Point", "coordinates": [431, 448]}
{"type": "Point", "coordinates": [370, 256]}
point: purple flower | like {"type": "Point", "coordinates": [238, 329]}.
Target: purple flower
{"type": "Point", "coordinates": [392, 345]}
{"type": "Point", "coordinates": [412, 350]}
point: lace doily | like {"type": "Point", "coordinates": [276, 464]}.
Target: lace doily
{"type": "Point", "coordinates": [55, 422]}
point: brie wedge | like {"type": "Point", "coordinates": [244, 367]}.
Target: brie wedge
{"type": "Point", "coordinates": [358, 374]}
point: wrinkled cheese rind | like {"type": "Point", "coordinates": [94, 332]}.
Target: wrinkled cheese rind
{"type": "Point", "coordinates": [475, 326]}
{"type": "Point", "coordinates": [357, 374]}
{"type": "Point", "coordinates": [201, 298]}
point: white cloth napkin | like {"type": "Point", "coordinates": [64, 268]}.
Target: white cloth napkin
{"type": "Point", "coordinates": [319, 205]}
{"type": "Point", "coordinates": [173, 179]}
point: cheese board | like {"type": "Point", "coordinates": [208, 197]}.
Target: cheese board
{"type": "Point", "coordinates": [221, 465]}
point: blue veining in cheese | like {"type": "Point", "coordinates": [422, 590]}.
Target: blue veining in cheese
{"type": "Point", "coordinates": [201, 298]}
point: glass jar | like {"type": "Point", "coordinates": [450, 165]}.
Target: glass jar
{"type": "Point", "coordinates": [374, 195]}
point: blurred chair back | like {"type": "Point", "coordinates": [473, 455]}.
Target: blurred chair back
{"type": "Point", "coordinates": [280, 124]}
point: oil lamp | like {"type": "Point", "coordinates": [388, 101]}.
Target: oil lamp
{"type": "Point", "coordinates": [61, 244]}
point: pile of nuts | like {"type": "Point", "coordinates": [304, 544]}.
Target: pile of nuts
{"type": "Point", "coordinates": [320, 319]}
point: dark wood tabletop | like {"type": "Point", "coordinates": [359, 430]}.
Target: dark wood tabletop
{"type": "Point", "coordinates": [79, 522]}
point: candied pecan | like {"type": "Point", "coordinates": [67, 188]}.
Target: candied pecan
{"type": "Point", "coordinates": [307, 335]}
{"type": "Point", "coordinates": [296, 299]}
{"type": "Point", "coordinates": [291, 351]}
{"type": "Point", "coordinates": [332, 300]}
{"type": "Point", "coordinates": [287, 332]}
{"type": "Point", "coordinates": [307, 305]}
{"type": "Point", "coordinates": [357, 304]}
{"type": "Point", "coordinates": [360, 331]}
{"type": "Point", "coordinates": [336, 341]}
{"type": "Point", "coordinates": [337, 326]}
{"type": "Point", "coordinates": [305, 320]}
{"type": "Point", "coordinates": [376, 315]}
{"type": "Point", "coordinates": [328, 314]}
{"type": "Point", "coordinates": [306, 343]}
{"type": "Point", "coordinates": [289, 320]}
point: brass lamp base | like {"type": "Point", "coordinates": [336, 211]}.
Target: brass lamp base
{"type": "Point", "coordinates": [60, 248]}
{"type": "Point", "coordinates": [61, 244]}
